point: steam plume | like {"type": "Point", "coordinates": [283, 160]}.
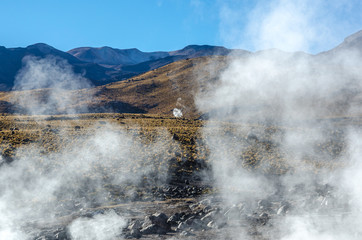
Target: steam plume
{"type": "Point", "coordinates": [274, 116]}
{"type": "Point", "coordinates": [40, 188]}
{"type": "Point", "coordinates": [55, 82]}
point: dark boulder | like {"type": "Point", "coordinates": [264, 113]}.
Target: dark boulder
{"type": "Point", "coordinates": [156, 224]}
{"type": "Point", "coordinates": [135, 229]}
{"type": "Point", "coordinates": [174, 220]}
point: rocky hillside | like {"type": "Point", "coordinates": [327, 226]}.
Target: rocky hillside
{"type": "Point", "coordinates": [11, 61]}
{"type": "Point", "coordinates": [158, 91]}
{"type": "Point", "coordinates": [111, 56]}
{"type": "Point", "coordinates": [167, 80]}
{"type": "Point", "coordinates": [100, 65]}
{"type": "Point", "coordinates": [106, 65]}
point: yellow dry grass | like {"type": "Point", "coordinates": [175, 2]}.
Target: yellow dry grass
{"type": "Point", "coordinates": [184, 136]}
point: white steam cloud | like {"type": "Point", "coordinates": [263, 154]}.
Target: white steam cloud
{"type": "Point", "coordinates": [274, 116]}
{"type": "Point", "coordinates": [101, 227]}
{"type": "Point", "coordinates": [299, 25]}
{"type": "Point", "coordinates": [61, 176]}
{"type": "Point", "coordinates": [38, 189]}
{"type": "Point", "coordinates": [54, 81]}
{"type": "Point", "coordinates": [286, 25]}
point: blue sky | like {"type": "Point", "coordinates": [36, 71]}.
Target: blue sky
{"type": "Point", "coordinates": [151, 25]}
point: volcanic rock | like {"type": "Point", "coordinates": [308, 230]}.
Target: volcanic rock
{"type": "Point", "coordinates": [156, 224]}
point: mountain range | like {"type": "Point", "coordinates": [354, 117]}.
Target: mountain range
{"type": "Point", "coordinates": [101, 65]}
{"type": "Point", "coordinates": [105, 64]}
{"type": "Point", "coordinates": [130, 80]}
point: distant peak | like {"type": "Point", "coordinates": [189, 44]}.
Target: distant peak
{"type": "Point", "coordinates": [131, 50]}
{"type": "Point", "coordinates": [200, 46]}
{"type": "Point", "coordinates": [40, 45]}
{"type": "Point", "coordinates": [192, 46]}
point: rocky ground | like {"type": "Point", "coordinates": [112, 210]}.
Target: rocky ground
{"type": "Point", "coordinates": [185, 204]}
{"type": "Point", "coordinates": [207, 216]}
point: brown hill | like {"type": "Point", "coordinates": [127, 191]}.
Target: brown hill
{"type": "Point", "coordinates": [163, 89]}
{"type": "Point", "coordinates": [156, 92]}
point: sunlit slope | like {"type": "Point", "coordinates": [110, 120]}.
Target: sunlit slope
{"type": "Point", "coordinates": [158, 91]}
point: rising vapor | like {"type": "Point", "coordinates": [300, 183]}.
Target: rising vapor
{"type": "Point", "coordinates": [285, 109]}
{"type": "Point", "coordinates": [41, 188]}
